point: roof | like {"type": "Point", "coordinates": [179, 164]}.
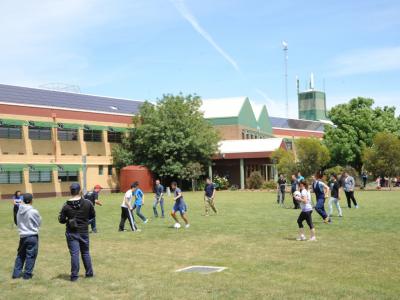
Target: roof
{"type": "Point", "coordinates": [222, 107]}
{"type": "Point", "coordinates": [55, 99]}
{"type": "Point", "coordinates": [250, 146]}
{"type": "Point", "coordinates": [297, 124]}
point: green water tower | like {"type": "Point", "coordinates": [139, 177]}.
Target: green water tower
{"type": "Point", "coordinates": [312, 103]}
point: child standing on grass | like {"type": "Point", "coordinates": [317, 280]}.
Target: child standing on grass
{"type": "Point", "coordinates": [179, 206]}
{"type": "Point", "coordinates": [306, 211]}
{"type": "Point", "coordinates": [209, 196]}
{"type": "Point", "coordinates": [139, 201]}
{"type": "Point", "coordinates": [28, 222]}
{"type": "Point", "coordinates": [334, 186]}
{"type": "Point", "coordinates": [17, 200]}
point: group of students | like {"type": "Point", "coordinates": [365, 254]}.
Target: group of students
{"type": "Point", "coordinates": [78, 213]}
{"type": "Point", "coordinates": [321, 190]}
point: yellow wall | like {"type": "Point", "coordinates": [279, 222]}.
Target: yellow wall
{"type": "Point", "coordinates": [26, 151]}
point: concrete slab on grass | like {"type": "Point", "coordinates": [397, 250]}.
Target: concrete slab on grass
{"type": "Point", "coordinates": [202, 269]}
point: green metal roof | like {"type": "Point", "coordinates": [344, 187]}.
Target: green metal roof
{"type": "Point", "coordinates": [69, 168]}
{"type": "Point", "coordinates": [42, 124]}
{"type": "Point", "coordinates": [12, 168]}
{"type": "Point", "coordinates": [95, 127]}
{"type": "Point", "coordinates": [118, 129]}
{"type": "Point", "coordinates": [43, 167]}
{"type": "Point", "coordinates": [11, 122]}
{"type": "Point", "coordinates": [69, 126]}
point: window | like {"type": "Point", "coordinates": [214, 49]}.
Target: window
{"type": "Point", "coordinates": [10, 177]}
{"type": "Point", "coordinates": [65, 176]}
{"type": "Point", "coordinates": [101, 170]}
{"type": "Point", "coordinates": [114, 137]}
{"type": "Point", "coordinates": [39, 176]}
{"type": "Point", "coordinates": [289, 145]}
{"type": "Point", "coordinates": [40, 133]}
{"type": "Point", "coordinates": [110, 170]}
{"type": "Point", "coordinates": [10, 132]}
{"type": "Point", "coordinates": [67, 134]}
{"type": "Point", "coordinates": [92, 135]}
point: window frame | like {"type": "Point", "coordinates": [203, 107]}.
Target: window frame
{"type": "Point", "coordinates": [40, 176]}
{"type": "Point", "coordinates": [101, 170]}
{"type": "Point", "coordinates": [114, 137]}
{"type": "Point", "coordinates": [42, 133]}
{"type": "Point", "coordinates": [8, 129]}
{"type": "Point", "coordinates": [9, 173]}
{"type": "Point", "coordinates": [71, 135]}
{"type": "Point", "coordinates": [68, 177]}
{"type": "Point", "coordinates": [92, 134]}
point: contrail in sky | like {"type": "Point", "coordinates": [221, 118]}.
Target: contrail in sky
{"type": "Point", "coordinates": [186, 13]}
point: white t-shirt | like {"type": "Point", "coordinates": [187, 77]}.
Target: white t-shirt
{"type": "Point", "coordinates": [129, 196]}
{"type": "Point", "coordinates": [306, 206]}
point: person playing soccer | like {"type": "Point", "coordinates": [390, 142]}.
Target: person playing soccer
{"type": "Point", "coordinates": [139, 201]}
{"type": "Point", "coordinates": [348, 186]}
{"type": "Point", "coordinates": [281, 187]}
{"type": "Point", "coordinates": [334, 187]}
{"type": "Point", "coordinates": [306, 210]}
{"type": "Point", "coordinates": [93, 196]}
{"type": "Point", "coordinates": [179, 206]}
{"type": "Point", "coordinates": [158, 199]}
{"type": "Point", "coordinates": [321, 191]}
{"type": "Point", "coordinates": [17, 200]}
{"type": "Point", "coordinates": [209, 196]}
{"type": "Point", "coordinates": [126, 210]}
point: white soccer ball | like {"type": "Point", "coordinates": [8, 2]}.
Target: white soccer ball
{"type": "Point", "coordinates": [177, 225]}
{"type": "Point", "coordinates": [297, 195]}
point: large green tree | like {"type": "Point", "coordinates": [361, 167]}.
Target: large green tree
{"type": "Point", "coordinates": [354, 126]}
{"type": "Point", "coordinates": [312, 155]}
{"type": "Point", "coordinates": [383, 157]}
{"type": "Point", "coordinates": [286, 162]}
{"type": "Point", "coordinates": [171, 138]}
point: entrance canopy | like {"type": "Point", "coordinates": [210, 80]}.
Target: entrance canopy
{"type": "Point", "coordinates": [256, 148]}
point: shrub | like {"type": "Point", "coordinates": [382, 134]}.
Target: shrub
{"type": "Point", "coordinates": [201, 184]}
{"type": "Point", "coordinates": [234, 187]}
{"type": "Point", "coordinates": [269, 185]}
{"type": "Point", "coordinates": [255, 181]}
{"type": "Point", "coordinates": [221, 183]}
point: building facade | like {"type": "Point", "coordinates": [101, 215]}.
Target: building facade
{"type": "Point", "coordinates": [49, 139]}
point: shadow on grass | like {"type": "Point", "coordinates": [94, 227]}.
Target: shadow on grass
{"type": "Point", "coordinates": [66, 277]}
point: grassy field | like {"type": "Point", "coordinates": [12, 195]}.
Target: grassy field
{"type": "Point", "coordinates": [356, 257]}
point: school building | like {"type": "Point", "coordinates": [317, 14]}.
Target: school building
{"type": "Point", "coordinates": [49, 139]}
{"type": "Point", "coordinates": [250, 136]}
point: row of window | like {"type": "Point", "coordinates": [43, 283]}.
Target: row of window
{"type": "Point", "coordinates": [43, 133]}
{"type": "Point", "coordinates": [15, 177]}
{"type": "Point", "coordinates": [250, 135]}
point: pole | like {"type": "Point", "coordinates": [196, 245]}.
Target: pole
{"type": "Point", "coordinates": [285, 52]}
{"type": "Point", "coordinates": [84, 173]}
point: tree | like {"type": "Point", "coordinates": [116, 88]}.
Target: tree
{"type": "Point", "coordinates": [286, 163]}
{"type": "Point", "coordinates": [172, 138]}
{"type": "Point", "coordinates": [312, 155]}
{"type": "Point", "coordinates": [383, 157]}
{"type": "Point", "coordinates": [355, 125]}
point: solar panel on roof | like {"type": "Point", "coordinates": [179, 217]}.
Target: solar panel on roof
{"type": "Point", "coordinates": [40, 97]}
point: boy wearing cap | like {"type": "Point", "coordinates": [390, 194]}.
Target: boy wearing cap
{"type": "Point", "coordinates": [76, 214]}
{"type": "Point", "coordinates": [93, 196]}
{"type": "Point", "coordinates": [28, 222]}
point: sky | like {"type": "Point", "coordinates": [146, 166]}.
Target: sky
{"type": "Point", "coordinates": [142, 49]}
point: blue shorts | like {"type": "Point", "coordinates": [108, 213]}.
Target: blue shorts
{"type": "Point", "coordinates": [181, 207]}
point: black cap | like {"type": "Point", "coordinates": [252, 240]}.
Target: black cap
{"type": "Point", "coordinates": [75, 187]}
{"type": "Point", "coordinates": [27, 198]}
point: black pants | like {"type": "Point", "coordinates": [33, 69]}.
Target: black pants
{"type": "Point", "coordinates": [364, 182]}
{"type": "Point", "coordinates": [15, 210]}
{"type": "Point", "coordinates": [350, 196]}
{"type": "Point", "coordinates": [296, 203]}
{"type": "Point", "coordinates": [127, 214]}
{"type": "Point", "coordinates": [305, 215]}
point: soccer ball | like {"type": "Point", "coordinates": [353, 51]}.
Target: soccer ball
{"type": "Point", "coordinates": [177, 226]}
{"type": "Point", "coordinates": [297, 195]}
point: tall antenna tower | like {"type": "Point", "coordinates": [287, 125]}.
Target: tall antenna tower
{"type": "Point", "coordinates": [285, 53]}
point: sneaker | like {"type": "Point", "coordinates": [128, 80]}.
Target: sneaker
{"type": "Point", "coordinates": [137, 230]}
{"type": "Point", "coordinates": [301, 238]}
{"type": "Point", "coordinates": [122, 230]}
{"type": "Point", "coordinates": [356, 206]}
{"type": "Point", "coordinates": [187, 225]}
{"type": "Point", "coordinates": [312, 239]}
{"type": "Point", "coordinates": [146, 221]}
{"type": "Point", "coordinates": [340, 216]}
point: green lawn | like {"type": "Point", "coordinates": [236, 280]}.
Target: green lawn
{"type": "Point", "coordinates": [356, 257]}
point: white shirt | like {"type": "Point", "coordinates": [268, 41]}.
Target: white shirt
{"type": "Point", "coordinates": [129, 197]}
{"type": "Point", "coordinates": [306, 206]}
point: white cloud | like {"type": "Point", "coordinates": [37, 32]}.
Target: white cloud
{"type": "Point", "coordinates": [367, 61]}
{"type": "Point", "coordinates": [186, 13]}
